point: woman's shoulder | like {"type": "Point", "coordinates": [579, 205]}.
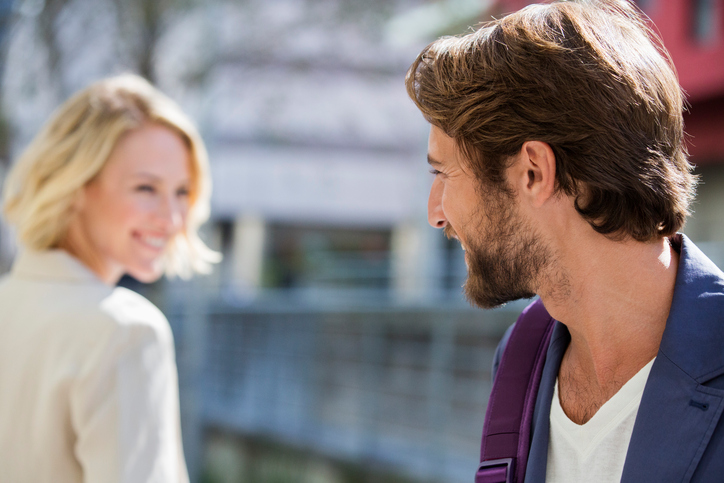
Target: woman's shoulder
{"type": "Point", "coordinates": [131, 322]}
{"type": "Point", "coordinates": [131, 311]}
{"type": "Point", "coordinates": [125, 324]}
{"type": "Point", "coordinates": [86, 326]}
{"type": "Point", "coordinates": [78, 308]}
{"type": "Point", "coordinates": [85, 305]}
{"type": "Point", "coordinates": [129, 307]}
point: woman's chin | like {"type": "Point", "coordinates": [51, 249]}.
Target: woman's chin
{"type": "Point", "coordinates": [146, 274]}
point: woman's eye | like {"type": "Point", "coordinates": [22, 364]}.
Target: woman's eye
{"type": "Point", "coordinates": [146, 188]}
{"type": "Point", "coordinates": [435, 171]}
{"type": "Point", "coordinates": [183, 192]}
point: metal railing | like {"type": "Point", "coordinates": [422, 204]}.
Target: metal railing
{"type": "Point", "coordinates": [402, 387]}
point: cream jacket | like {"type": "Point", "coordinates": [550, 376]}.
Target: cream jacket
{"type": "Point", "coordinates": [88, 382]}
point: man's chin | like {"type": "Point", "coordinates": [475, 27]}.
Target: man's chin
{"type": "Point", "coordinates": [484, 297]}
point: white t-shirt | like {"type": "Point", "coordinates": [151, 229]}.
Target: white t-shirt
{"type": "Point", "coordinates": [595, 451]}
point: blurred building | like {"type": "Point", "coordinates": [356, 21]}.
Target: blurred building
{"type": "Point", "coordinates": [317, 149]}
{"type": "Point", "coordinates": [370, 354]}
{"type": "Point", "coordinates": [318, 155]}
{"type": "Point", "coordinates": [335, 324]}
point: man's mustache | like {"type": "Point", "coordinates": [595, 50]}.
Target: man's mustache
{"type": "Point", "coordinates": [450, 233]}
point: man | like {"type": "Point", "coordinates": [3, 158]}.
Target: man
{"type": "Point", "coordinates": [557, 146]}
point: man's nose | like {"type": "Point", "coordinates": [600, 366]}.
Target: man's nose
{"type": "Point", "coordinates": [435, 215]}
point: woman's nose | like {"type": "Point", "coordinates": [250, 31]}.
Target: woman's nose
{"type": "Point", "coordinates": [172, 214]}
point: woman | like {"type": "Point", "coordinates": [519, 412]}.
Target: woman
{"type": "Point", "coordinates": [116, 183]}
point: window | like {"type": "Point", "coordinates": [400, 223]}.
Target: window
{"type": "Point", "coordinates": [704, 17]}
{"type": "Point", "coordinates": [644, 5]}
{"type": "Point", "coordinates": [318, 257]}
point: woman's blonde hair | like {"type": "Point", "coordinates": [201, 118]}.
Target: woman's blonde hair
{"type": "Point", "coordinates": [72, 148]}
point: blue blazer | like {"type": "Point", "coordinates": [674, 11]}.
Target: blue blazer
{"type": "Point", "coordinates": [678, 436]}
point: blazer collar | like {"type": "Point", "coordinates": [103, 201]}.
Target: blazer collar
{"type": "Point", "coordinates": [671, 429]}
{"type": "Point", "coordinates": [679, 412]}
{"type": "Point", "coordinates": [696, 318]}
{"type": "Point", "coordinates": [52, 265]}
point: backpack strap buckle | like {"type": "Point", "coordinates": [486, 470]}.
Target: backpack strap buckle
{"type": "Point", "coordinates": [495, 471]}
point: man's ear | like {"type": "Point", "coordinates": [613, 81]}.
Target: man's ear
{"type": "Point", "coordinates": [535, 172]}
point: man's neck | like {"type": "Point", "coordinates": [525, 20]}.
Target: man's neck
{"type": "Point", "coordinates": [615, 305]}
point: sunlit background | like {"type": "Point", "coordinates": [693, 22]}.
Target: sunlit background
{"type": "Point", "coordinates": [333, 343]}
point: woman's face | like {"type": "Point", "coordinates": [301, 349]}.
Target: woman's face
{"type": "Point", "coordinates": [127, 215]}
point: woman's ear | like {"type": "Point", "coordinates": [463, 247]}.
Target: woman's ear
{"type": "Point", "coordinates": [79, 200]}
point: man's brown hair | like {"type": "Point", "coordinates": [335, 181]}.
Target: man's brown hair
{"type": "Point", "coordinates": [590, 79]}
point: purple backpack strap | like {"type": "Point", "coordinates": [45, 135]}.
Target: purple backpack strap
{"type": "Point", "coordinates": [508, 420]}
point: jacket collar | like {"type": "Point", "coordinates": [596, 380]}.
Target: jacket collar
{"type": "Point", "coordinates": [52, 265]}
{"type": "Point", "coordinates": [679, 412]}
{"type": "Point", "coordinates": [671, 430]}
{"type": "Point", "coordinates": [696, 318]}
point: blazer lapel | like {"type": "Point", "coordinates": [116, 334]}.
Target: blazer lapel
{"type": "Point", "coordinates": [676, 418]}
{"type": "Point", "coordinates": [538, 457]}
{"type": "Point", "coordinates": [678, 412]}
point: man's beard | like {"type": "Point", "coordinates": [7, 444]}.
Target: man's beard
{"type": "Point", "coordinates": [505, 257]}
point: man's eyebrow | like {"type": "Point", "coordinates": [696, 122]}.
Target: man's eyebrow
{"type": "Point", "coordinates": [433, 161]}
